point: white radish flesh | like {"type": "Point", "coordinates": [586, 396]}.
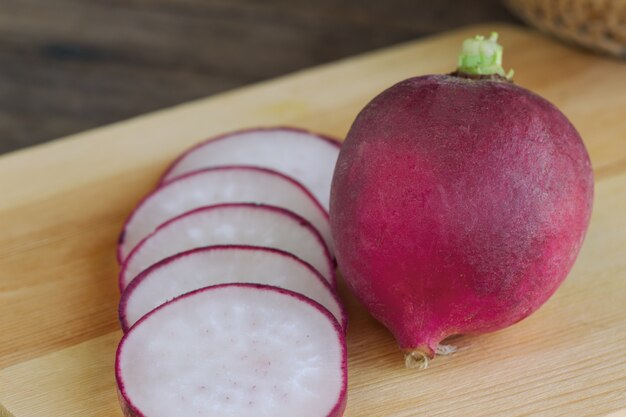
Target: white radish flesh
{"type": "Point", "coordinates": [308, 157]}
{"type": "Point", "coordinates": [234, 184]}
{"type": "Point", "coordinates": [236, 350]}
{"type": "Point", "coordinates": [213, 265]}
{"type": "Point", "coordinates": [235, 224]}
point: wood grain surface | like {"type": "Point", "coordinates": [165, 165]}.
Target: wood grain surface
{"type": "Point", "coordinates": [64, 202]}
{"type": "Point", "coordinates": [70, 65]}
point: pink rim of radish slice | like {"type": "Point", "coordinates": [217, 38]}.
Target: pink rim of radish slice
{"type": "Point", "coordinates": [215, 265]}
{"type": "Point", "coordinates": [231, 224]}
{"type": "Point", "coordinates": [308, 157]}
{"type": "Point", "coordinates": [234, 349]}
{"type": "Point", "coordinates": [229, 184]}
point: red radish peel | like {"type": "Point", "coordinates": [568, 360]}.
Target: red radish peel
{"type": "Point", "coordinates": [459, 203]}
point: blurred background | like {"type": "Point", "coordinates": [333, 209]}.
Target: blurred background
{"type": "Point", "coordinates": [71, 65]}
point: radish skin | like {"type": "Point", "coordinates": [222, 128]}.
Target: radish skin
{"type": "Point", "coordinates": [239, 224]}
{"type": "Point", "coordinates": [240, 350]}
{"type": "Point", "coordinates": [214, 265]}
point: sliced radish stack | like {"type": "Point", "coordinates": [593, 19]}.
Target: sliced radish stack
{"type": "Point", "coordinates": [308, 157]}
{"type": "Point", "coordinates": [213, 265]}
{"type": "Point", "coordinates": [239, 224]}
{"type": "Point", "coordinates": [238, 350]}
{"type": "Point", "coordinates": [228, 284]}
{"type": "Point", "coordinates": [234, 184]}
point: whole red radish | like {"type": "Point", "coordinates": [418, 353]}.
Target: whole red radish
{"type": "Point", "coordinates": [459, 203]}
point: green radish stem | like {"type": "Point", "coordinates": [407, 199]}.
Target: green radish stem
{"type": "Point", "coordinates": [480, 56]}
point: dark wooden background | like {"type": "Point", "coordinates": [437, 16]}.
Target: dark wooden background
{"type": "Point", "coordinates": [70, 65]}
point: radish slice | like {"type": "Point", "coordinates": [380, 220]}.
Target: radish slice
{"type": "Point", "coordinates": [237, 224]}
{"type": "Point", "coordinates": [214, 265]}
{"type": "Point", "coordinates": [308, 157]}
{"type": "Point", "coordinates": [234, 184]}
{"type": "Point", "coordinates": [239, 350]}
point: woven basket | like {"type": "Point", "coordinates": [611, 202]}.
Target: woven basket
{"type": "Point", "coordinates": [596, 24]}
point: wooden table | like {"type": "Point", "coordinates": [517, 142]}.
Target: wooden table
{"type": "Point", "coordinates": [63, 204]}
{"type": "Point", "coordinates": [71, 65]}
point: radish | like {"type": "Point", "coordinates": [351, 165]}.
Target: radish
{"type": "Point", "coordinates": [308, 157]}
{"type": "Point", "coordinates": [459, 203]}
{"type": "Point", "coordinates": [213, 265]}
{"type": "Point", "coordinates": [238, 224]}
{"type": "Point", "coordinates": [233, 184]}
{"type": "Point", "coordinates": [234, 350]}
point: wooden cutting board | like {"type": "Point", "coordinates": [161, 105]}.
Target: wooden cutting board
{"type": "Point", "coordinates": [63, 203]}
